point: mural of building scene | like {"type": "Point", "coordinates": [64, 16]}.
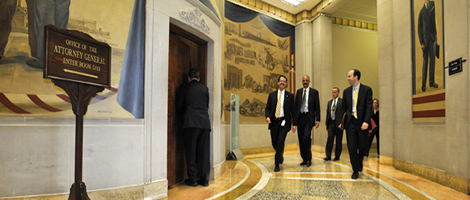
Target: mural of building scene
{"type": "Point", "coordinates": [254, 58]}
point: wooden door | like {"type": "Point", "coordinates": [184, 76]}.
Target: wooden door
{"type": "Point", "coordinates": [179, 63]}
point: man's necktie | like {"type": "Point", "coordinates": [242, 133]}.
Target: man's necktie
{"type": "Point", "coordinates": [304, 99]}
{"type": "Point", "coordinates": [278, 106]}
{"type": "Point", "coordinates": [333, 110]}
{"type": "Point", "coordinates": [355, 101]}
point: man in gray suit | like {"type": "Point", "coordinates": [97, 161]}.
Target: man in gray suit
{"type": "Point", "coordinates": [427, 34]}
{"type": "Point", "coordinates": [193, 102]}
{"type": "Point", "coordinates": [333, 120]}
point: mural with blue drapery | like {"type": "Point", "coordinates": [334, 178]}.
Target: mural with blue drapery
{"type": "Point", "coordinates": [258, 49]}
{"type": "Point", "coordinates": [131, 87]}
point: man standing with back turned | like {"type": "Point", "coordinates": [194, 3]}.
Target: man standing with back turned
{"type": "Point", "coordinates": [357, 104]}
{"type": "Point", "coordinates": [307, 105]}
{"type": "Point", "coordinates": [280, 117]}
{"type": "Point", "coordinates": [193, 101]}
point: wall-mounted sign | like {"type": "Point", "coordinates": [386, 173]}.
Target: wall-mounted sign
{"type": "Point", "coordinates": [455, 66]}
{"type": "Point", "coordinates": [72, 56]}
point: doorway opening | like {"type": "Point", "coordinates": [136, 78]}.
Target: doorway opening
{"type": "Point", "coordinates": [186, 51]}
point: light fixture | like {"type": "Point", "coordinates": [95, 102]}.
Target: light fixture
{"type": "Point", "coordinates": [294, 3]}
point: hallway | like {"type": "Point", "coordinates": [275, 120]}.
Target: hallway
{"type": "Point", "coordinates": [253, 178]}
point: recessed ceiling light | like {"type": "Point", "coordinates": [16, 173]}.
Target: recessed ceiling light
{"type": "Point", "coordinates": [294, 3]}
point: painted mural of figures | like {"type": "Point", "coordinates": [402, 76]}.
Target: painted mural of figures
{"type": "Point", "coordinates": [33, 43]}
{"type": "Point", "coordinates": [46, 12]}
{"type": "Point", "coordinates": [7, 11]}
{"type": "Point", "coordinates": [427, 37]}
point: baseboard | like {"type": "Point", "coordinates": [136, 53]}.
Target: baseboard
{"type": "Point", "coordinates": [156, 190]}
{"type": "Point", "coordinates": [261, 150]}
{"type": "Point", "coordinates": [150, 191]}
{"type": "Point", "coordinates": [218, 170]}
{"type": "Point", "coordinates": [438, 176]}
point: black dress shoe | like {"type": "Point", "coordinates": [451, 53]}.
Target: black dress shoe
{"type": "Point", "coordinates": [433, 85]}
{"type": "Point", "coordinates": [336, 159]}
{"type": "Point", "coordinates": [282, 160]}
{"type": "Point", "coordinates": [190, 183]}
{"type": "Point", "coordinates": [423, 88]}
{"type": "Point", "coordinates": [276, 169]}
{"type": "Point", "coordinates": [303, 163]}
{"type": "Point", "coordinates": [309, 163]}
{"type": "Point", "coordinates": [203, 183]}
{"type": "Point", "coordinates": [327, 158]}
{"type": "Point", "coordinates": [32, 62]}
{"type": "Point", "coordinates": [355, 175]}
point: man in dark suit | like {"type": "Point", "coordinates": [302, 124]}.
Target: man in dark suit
{"type": "Point", "coordinates": [427, 34]}
{"type": "Point", "coordinates": [357, 104]}
{"type": "Point", "coordinates": [307, 105]}
{"type": "Point", "coordinates": [193, 102]}
{"type": "Point", "coordinates": [279, 114]}
{"type": "Point", "coordinates": [334, 114]}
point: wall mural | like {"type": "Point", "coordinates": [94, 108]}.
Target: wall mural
{"type": "Point", "coordinates": [23, 91]}
{"type": "Point", "coordinates": [428, 60]}
{"type": "Point", "coordinates": [253, 58]}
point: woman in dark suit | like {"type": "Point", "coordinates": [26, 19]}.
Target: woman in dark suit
{"type": "Point", "coordinates": [375, 131]}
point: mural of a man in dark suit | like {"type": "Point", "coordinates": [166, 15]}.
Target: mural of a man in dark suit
{"type": "Point", "coordinates": [193, 102]}
{"type": "Point", "coordinates": [7, 11]}
{"type": "Point", "coordinates": [46, 12]}
{"type": "Point", "coordinates": [427, 34]}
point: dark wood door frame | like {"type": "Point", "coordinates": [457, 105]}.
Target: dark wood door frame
{"type": "Point", "coordinates": [175, 155]}
{"type": "Point", "coordinates": [202, 51]}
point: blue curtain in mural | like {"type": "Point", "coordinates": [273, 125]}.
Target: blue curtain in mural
{"type": "Point", "coordinates": [209, 5]}
{"type": "Point", "coordinates": [239, 14]}
{"type": "Point", "coordinates": [131, 86]}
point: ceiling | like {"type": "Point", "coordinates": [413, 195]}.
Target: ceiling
{"type": "Point", "coordinates": [362, 10]}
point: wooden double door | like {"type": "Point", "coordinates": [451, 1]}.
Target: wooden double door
{"type": "Point", "coordinates": [186, 51]}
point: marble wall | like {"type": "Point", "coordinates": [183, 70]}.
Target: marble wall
{"type": "Point", "coordinates": [322, 72]}
{"type": "Point", "coordinates": [38, 154]}
{"type": "Point", "coordinates": [440, 146]}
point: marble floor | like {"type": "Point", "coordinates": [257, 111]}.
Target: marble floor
{"type": "Point", "coordinates": [253, 177]}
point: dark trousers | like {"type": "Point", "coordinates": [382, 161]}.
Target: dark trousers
{"type": "Point", "coordinates": [304, 134]}
{"type": "Point", "coordinates": [197, 151]}
{"type": "Point", "coordinates": [357, 144]}
{"type": "Point", "coordinates": [278, 138]}
{"type": "Point", "coordinates": [371, 139]}
{"type": "Point", "coordinates": [429, 57]}
{"type": "Point", "coordinates": [7, 11]}
{"type": "Point", "coordinates": [334, 131]}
